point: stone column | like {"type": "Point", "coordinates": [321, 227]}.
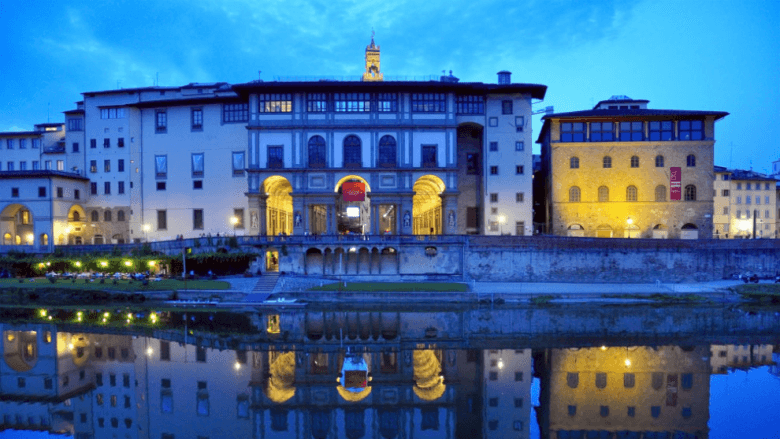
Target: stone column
{"type": "Point", "coordinates": [449, 213]}
{"type": "Point", "coordinates": [405, 216]}
{"type": "Point", "coordinates": [262, 214]}
{"type": "Point", "coordinates": [299, 205]}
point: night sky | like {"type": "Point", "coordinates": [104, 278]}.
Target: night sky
{"type": "Point", "coordinates": [684, 54]}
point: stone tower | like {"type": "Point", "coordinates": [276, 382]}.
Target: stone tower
{"type": "Point", "coordinates": [372, 72]}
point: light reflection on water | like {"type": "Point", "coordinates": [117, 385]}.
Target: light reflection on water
{"type": "Point", "coordinates": [93, 382]}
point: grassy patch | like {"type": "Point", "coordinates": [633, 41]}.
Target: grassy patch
{"type": "Point", "coordinates": [394, 287]}
{"type": "Point", "coordinates": [760, 292]}
{"type": "Point", "coordinates": [109, 285]}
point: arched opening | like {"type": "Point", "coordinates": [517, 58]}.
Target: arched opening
{"type": "Point", "coordinates": [20, 349]}
{"type": "Point", "coordinates": [313, 261]}
{"type": "Point", "coordinates": [16, 225]}
{"type": "Point", "coordinates": [281, 382]}
{"type": "Point", "coordinates": [279, 206]}
{"type": "Point", "coordinates": [428, 380]}
{"type": "Point", "coordinates": [631, 231]}
{"type": "Point", "coordinates": [272, 260]}
{"type": "Point", "coordinates": [576, 230]}
{"type": "Point", "coordinates": [603, 231]}
{"type": "Point", "coordinates": [426, 208]}
{"type": "Point", "coordinates": [689, 231]}
{"type": "Point", "coordinates": [44, 238]}
{"type": "Point", "coordinates": [353, 206]}
{"type": "Point", "coordinates": [470, 152]}
{"type": "Point", "coordinates": [354, 377]}
{"type": "Point", "coordinates": [97, 239]}
{"type": "Point", "coordinates": [660, 231]}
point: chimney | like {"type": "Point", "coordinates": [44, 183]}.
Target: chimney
{"type": "Point", "coordinates": [504, 77]}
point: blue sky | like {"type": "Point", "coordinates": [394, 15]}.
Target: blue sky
{"type": "Point", "coordinates": [682, 54]}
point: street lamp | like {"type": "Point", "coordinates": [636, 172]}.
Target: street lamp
{"type": "Point", "coordinates": [146, 228]}
{"type": "Point", "coordinates": [501, 222]}
{"type": "Point", "coordinates": [234, 222]}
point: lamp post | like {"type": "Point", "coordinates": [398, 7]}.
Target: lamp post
{"type": "Point", "coordinates": [234, 222]}
{"type": "Point", "coordinates": [146, 228]}
{"type": "Point", "coordinates": [501, 222]}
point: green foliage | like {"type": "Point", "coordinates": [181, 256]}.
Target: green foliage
{"type": "Point", "coordinates": [232, 242]}
{"type": "Point", "coordinates": [116, 251]}
{"type": "Point", "coordinates": [220, 264]}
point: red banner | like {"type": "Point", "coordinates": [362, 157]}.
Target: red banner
{"type": "Point", "coordinates": [675, 183]}
{"type": "Point", "coordinates": [353, 191]}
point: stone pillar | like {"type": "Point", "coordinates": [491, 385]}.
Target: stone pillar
{"type": "Point", "coordinates": [449, 213]}
{"type": "Point", "coordinates": [405, 216]}
{"type": "Point", "coordinates": [299, 206]}
{"type": "Point", "coordinates": [262, 214]}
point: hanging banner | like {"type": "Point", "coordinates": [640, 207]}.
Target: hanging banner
{"type": "Point", "coordinates": [353, 191]}
{"type": "Point", "coordinates": [675, 183]}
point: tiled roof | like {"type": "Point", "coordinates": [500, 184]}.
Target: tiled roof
{"type": "Point", "coordinates": [634, 113]}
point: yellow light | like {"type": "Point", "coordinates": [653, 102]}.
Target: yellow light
{"type": "Point", "coordinates": [128, 263]}
{"type": "Point", "coordinates": [237, 365]}
{"type": "Point", "coordinates": [127, 321]}
{"type": "Point", "coordinates": [149, 351]}
{"type": "Point", "coordinates": [105, 314]}
{"type": "Point", "coordinates": [603, 348]}
{"type": "Point", "coordinates": [70, 346]}
{"type": "Point", "coordinates": [147, 227]}
{"type": "Point", "coordinates": [48, 263]}
{"type": "Point", "coordinates": [30, 237]}
{"type": "Point", "coordinates": [628, 362]}
{"type": "Point", "coordinates": [500, 363]}
{"type": "Point", "coordinates": [233, 220]}
{"type": "Point", "coordinates": [104, 320]}
{"type": "Point", "coordinates": [41, 265]}
{"type": "Point", "coordinates": [151, 263]}
{"type": "Point", "coordinates": [78, 263]}
{"type": "Point", "coordinates": [43, 313]}
{"type": "Point", "coordinates": [49, 317]}
{"type": "Point", "coordinates": [630, 221]}
{"type": "Point", "coordinates": [129, 315]}
{"type": "Point", "coordinates": [103, 264]}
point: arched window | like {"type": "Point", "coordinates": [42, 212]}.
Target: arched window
{"type": "Point", "coordinates": [603, 194]}
{"type": "Point", "coordinates": [317, 152]}
{"type": "Point", "coordinates": [107, 216]}
{"type": "Point", "coordinates": [76, 216]}
{"type": "Point", "coordinates": [659, 161]}
{"type": "Point", "coordinates": [690, 160]}
{"type": "Point", "coordinates": [607, 161]}
{"type": "Point", "coordinates": [574, 163]}
{"type": "Point", "coordinates": [660, 193]}
{"type": "Point", "coordinates": [387, 152]}
{"type": "Point", "coordinates": [95, 217]}
{"type": "Point", "coordinates": [631, 193]}
{"type": "Point", "coordinates": [634, 161]}
{"type": "Point", "coordinates": [120, 215]}
{"type": "Point", "coordinates": [690, 193]}
{"type": "Point", "coordinates": [353, 156]}
{"type": "Point", "coordinates": [574, 194]}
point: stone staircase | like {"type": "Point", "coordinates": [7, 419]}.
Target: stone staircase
{"type": "Point", "coordinates": [263, 288]}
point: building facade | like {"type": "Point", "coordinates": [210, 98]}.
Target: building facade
{"type": "Point", "coordinates": [623, 170]}
{"type": "Point", "coordinates": [370, 156]}
{"type": "Point", "coordinates": [745, 205]}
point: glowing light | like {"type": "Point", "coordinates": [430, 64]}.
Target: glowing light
{"type": "Point", "coordinates": [30, 238]}
{"type": "Point", "coordinates": [48, 263]}
{"type": "Point", "coordinates": [147, 227]}
{"type": "Point", "coordinates": [237, 365]}
{"type": "Point", "coordinates": [43, 313]}
{"type": "Point", "coordinates": [630, 221]}
{"type": "Point", "coordinates": [150, 263]}
{"type": "Point", "coordinates": [128, 263]}
{"type": "Point", "coordinates": [104, 320]}
{"type": "Point", "coordinates": [70, 346]}
{"type": "Point", "coordinates": [41, 265]}
{"type": "Point", "coordinates": [49, 317]}
{"type": "Point", "coordinates": [106, 315]}
{"type": "Point", "coordinates": [149, 351]}
{"type": "Point", "coordinates": [77, 263]}
{"type": "Point", "coordinates": [603, 348]}
{"type": "Point", "coordinates": [233, 220]}
{"type": "Point", "coordinates": [628, 362]}
{"type": "Point", "coordinates": [130, 315]}
{"type": "Point", "coordinates": [500, 363]}
{"type": "Point", "coordinates": [103, 264]}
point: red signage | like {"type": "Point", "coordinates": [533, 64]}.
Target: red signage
{"type": "Point", "coordinates": [675, 183]}
{"type": "Point", "coordinates": [354, 191]}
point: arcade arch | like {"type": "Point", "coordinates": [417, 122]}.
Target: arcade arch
{"type": "Point", "coordinates": [427, 206]}
{"type": "Point", "coordinates": [16, 225]}
{"type": "Point", "coordinates": [353, 216]}
{"type": "Point", "coordinates": [279, 206]}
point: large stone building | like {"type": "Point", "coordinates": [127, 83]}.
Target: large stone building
{"type": "Point", "coordinates": [370, 156]}
{"type": "Point", "coordinates": [745, 204]}
{"type": "Point", "coordinates": [624, 170]}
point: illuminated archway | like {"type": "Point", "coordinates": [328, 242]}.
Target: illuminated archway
{"type": "Point", "coordinates": [20, 349]}
{"type": "Point", "coordinates": [16, 225]}
{"type": "Point", "coordinates": [353, 216]}
{"type": "Point", "coordinates": [281, 383]}
{"type": "Point", "coordinates": [428, 380]}
{"type": "Point", "coordinates": [426, 209]}
{"type": "Point", "coordinates": [279, 206]}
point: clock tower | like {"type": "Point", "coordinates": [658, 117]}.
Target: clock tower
{"type": "Point", "coordinates": [372, 72]}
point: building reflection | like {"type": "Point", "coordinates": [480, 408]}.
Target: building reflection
{"type": "Point", "coordinates": [174, 385]}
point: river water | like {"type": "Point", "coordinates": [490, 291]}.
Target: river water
{"type": "Point", "coordinates": [553, 371]}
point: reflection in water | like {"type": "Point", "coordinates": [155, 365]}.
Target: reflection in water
{"type": "Point", "coordinates": [174, 384]}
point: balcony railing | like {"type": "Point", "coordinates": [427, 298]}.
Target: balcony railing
{"type": "Point", "coordinates": [59, 149]}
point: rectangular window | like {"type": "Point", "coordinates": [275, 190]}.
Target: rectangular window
{"type": "Point", "coordinates": [161, 186]}
{"type": "Point", "coordinates": [60, 192]}
{"type": "Point", "coordinates": [165, 351]}
{"type": "Point", "coordinates": [42, 191]}
{"type": "Point", "coordinates": [470, 104]}
{"type": "Point", "coordinates": [120, 165]}
{"type": "Point", "coordinates": [76, 194]}
{"type": "Point", "coordinates": [162, 220]}
{"type": "Point", "coordinates": [106, 143]}
{"type": "Point", "coordinates": [238, 163]}
{"type": "Point", "coordinates": [747, 199]}
{"type": "Point", "coordinates": [197, 118]}
{"type": "Point", "coordinates": [316, 102]}
{"type": "Point", "coordinates": [494, 198]}
{"type": "Point", "coordinates": [274, 103]}
{"type": "Point", "coordinates": [161, 121]}
{"type": "Point", "coordinates": [75, 125]}
{"type": "Point", "coordinates": [519, 146]}
{"type": "Point", "coordinates": [60, 165]}
{"type": "Point", "coordinates": [661, 130]}
{"type": "Point", "coordinates": [429, 102]}
{"type": "Point", "coordinates": [238, 214]}
{"type": "Point", "coordinates": [9, 166]}
{"type": "Point", "coordinates": [352, 102]}
{"type": "Point", "coordinates": [429, 156]}
{"type": "Point", "coordinates": [472, 164]}
{"type": "Point", "coordinates": [519, 169]}
{"type": "Point", "coordinates": [22, 166]}
{"type": "Point", "coordinates": [197, 165]}
{"type": "Point", "coordinates": [107, 188]}
{"type": "Point", "coordinates": [506, 107]}
{"type": "Point", "coordinates": [602, 131]}
{"type": "Point", "coordinates": [93, 166]}
{"type": "Point", "coordinates": [520, 197]}
{"type": "Point", "coordinates": [387, 102]}
{"type": "Point", "coordinates": [106, 165]}
{"type": "Point", "coordinates": [112, 113]}
{"type": "Point", "coordinates": [197, 184]}
{"type": "Point", "coordinates": [572, 132]}
{"type": "Point", "coordinates": [494, 146]}
{"type": "Point", "coordinates": [93, 143]}
{"type": "Point", "coordinates": [197, 219]}
{"type": "Point", "coordinates": [493, 121]}
{"type": "Point", "coordinates": [120, 142]}
{"type": "Point", "coordinates": [161, 166]}
{"type": "Point", "coordinates": [631, 131]}
{"type": "Point", "coordinates": [493, 226]}
{"type": "Point", "coordinates": [9, 143]}
{"type": "Point", "coordinates": [235, 113]}
{"type": "Point", "coordinates": [739, 186]}
{"type": "Point", "coordinates": [75, 147]}
{"type": "Point", "coordinates": [275, 157]}
{"type": "Point", "coordinates": [36, 143]}
{"type": "Point", "coordinates": [725, 192]}
{"type": "Point", "coordinates": [691, 129]}
{"type": "Point", "coordinates": [725, 210]}
{"type": "Point", "coordinates": [748, 186]}
{"type": "Point", "coordinates": [494, 170]}
{"type": "Point", "coordinates": [200, 354]}
{"type": "Point", "coordinates": [36, 165]}
{"type": "Point", "coordinates": [22, 143]}
{"type": "Point", "coordinates": [518, 376]}
{"type": "Point", "coordinates": [93, 188]}
{"type": "Point", "coordinates": [758, 199]}
{"type": "Point", "coordinates": [520, 228]}
{"type": "Point", "coordinates": [120, 187]}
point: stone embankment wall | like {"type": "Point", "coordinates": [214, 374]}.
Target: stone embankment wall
{"type": "Point", "coordinates": [618, 260]}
